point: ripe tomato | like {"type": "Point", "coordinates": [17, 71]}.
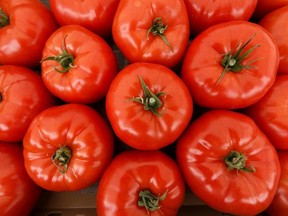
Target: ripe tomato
{"type": "Point", "coordinates": [230, 65]}
{"type": "Point", "coordinates": [24, 28]}
{"type": "Point", "coordinates": [206, 13]}
{"type": "Point", "coordinates": [148, 106]}
{"type": "Point", "coordinates": [18, 193]}
{"type": "Point", "coordinates": [96, 16]}
{"type": "Point", "coordinates": [264, 7]}
{"type": "Point", "coordinates": [67, 147]}
{"type": "Point", "coordinates": [77, 65]}
{"type": "Point", "coordinates": [279, 205]}
{"type": "Point", "coordinates": [271, 115]}
{"type": "Point", "coordinates": [229, 163]}
{"type": "Point", "coordinates": [22, 96]}
{"type": "Point", "coordinates": [274, 23]}
{"type": "Point", "coordinates": [140, 183]}
{"type": "Point", "coordinates": [153, 31]}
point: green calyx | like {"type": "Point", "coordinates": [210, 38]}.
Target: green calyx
{"type": "Point", "coordinates": [61, 158]}
{"type": "Point", "coordinates": [158, 29]}
{"type": "Point", "coordinates": [150, 201]}
{"type": "Point", "coordinates": [150, 101]}
{"type": "Point", "coordinates": [65, 59]}
{"type": "Point", "coordinates": [237, 160]}
{"type": "Point", "coordinates": [4, 19]}
{"type": "Point", "coordinates": [233, 61]}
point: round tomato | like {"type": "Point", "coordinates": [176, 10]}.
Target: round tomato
{"type": "Point", "coordinates": [153, 31]}
{"type": "Point", "coordinates": [77, 65]}
{"type": "Point", "coordinates": [24, 28]}
{"type": "Point", "coordinates": [18, 193]}
{"type": "Point", "coordinates": [96, 16]}
{"type": "Point", "coordinates": [22, 96]}
{"type": "Point", "coordinates": [274, 23]}
{"type": "Point", "coordinates": [233, 161]}
{"type": "Point", "coordinates": [271, 114]}
{"type": "Point", "coordinates": [148, 106]}
{"type": "Point", "coordinates": [67, 147]}
{"type": "Point", "coordinates": [140, 183]}
{"type": "Point", "coordinates": [230, 65]}
{"type": "Point", "coordinates": [206, 13]}
{"type": "Point", "coordinates": [264, 7]}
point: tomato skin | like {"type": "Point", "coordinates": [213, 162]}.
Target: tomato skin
{"type": "Point", "coordinates": [140, 128]}
{"type": "Point", "coordinates": [81, 129]}
{"type": "Point", "coordinates": [18, 193]}
{"type": "Point", "coordinates": [206, 13]}
{"type": "Point", "coordinates": [271, 115]}
{"type": "Point", "coordinates": [22, 96]}
{"type": "Point", "coordinates": [202, 69]}
{"type": "Point", "coordinates": [132, 22]}
{"type": "Point", "coordinates": [133, 171]}
{"type": "Point", "coordinates": [96, 16]}
{"type": "Point", "coordinates": [93, 68]}
{"type": "Point", "coordinates": [22, 41]}
{"type": "Point", "coordinates": [201, 151]}
{"type": "Point", "coordinates": [274, 22]}
{"type": "Point", "coordinates": [264, 7]}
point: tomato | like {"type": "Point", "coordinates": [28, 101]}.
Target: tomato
{"type": "Point", "coordinates": [77, 65]}
{"type": "Point", "coordinates": [96, 16]}
{"type": "Point", "coordinates": [153, 31]}
{"type": "Point", "coordinates": [229, 163]}
{"type": "Point", "coordinates": [18, 193]}
{"type": "Point", "coordinates": [264, 7]}
{"type": "Point", "coordinates": [230, 65]}
{"type": "Point", "coordinates": [67, 147]}
{"type": "Point", "coordinates": [24, 28]}
{"type": "Point", "coordinates": [274, 23]}
{"type": "Point", "coordinates": [140, 183]}
{"type": "Point", "coordinates": [279, 205]}
{"type": "Point", "coordinates": [206, 13]}
{"type": "Point", "coordinates": [271, 114]}
{"type": "Point", "coordinates": [22, 96]}
{"type": "Point", "coordinates": [148, 106]}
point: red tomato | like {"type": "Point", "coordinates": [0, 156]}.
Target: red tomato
{"type": "Point", "coordinates": [271, 114]}
{"type": "Point", "coordinates": [153, 31]}
{"type": "Point", "coordinates": [67, 147]}
{"type": "Point", "coordinates": [229, 163]}
{"type": "Point", "coordinates": [18, 193]}
{"type": "Point", "coordinates": [96, 16]}
{"type": "Point", "coordinates": [140, 183]}
{"type": "Point", "coordinates": [266, 6]}
{"type": "Point", "coordinates": [148, 106]}
{"type": "Point", "coordinates": [275, 23]}
{"type": "Point", "coordinates": [77, 65]}
{"type": "Point", "coordinates": [24, 28]}
{"type": "Point", "coordinates": [279, 205]}
{"type": "Point", "coordinates": [230, 65]}
{"type": "Point", "coordinates": [206, 13]}
{"type": "Point", "coordinates": [22, 96]}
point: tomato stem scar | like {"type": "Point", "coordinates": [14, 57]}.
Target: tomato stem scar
{"type": "Point", "coordinates": [150, 201]}
{"type": "Point", "coordinates": [237, 160]}
{"type": "Point", "coordinates": [4, 19]}
{"type": "Point", "coordinates": [61, 158]}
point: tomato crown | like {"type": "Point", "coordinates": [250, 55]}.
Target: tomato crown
{"type": "Point", "coordinates": [4, 19]}
{"type": "Point", "coordinates": [150, 201]}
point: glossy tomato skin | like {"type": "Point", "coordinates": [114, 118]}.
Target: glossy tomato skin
{"type": "Point", "coordinates": [264, 7]}
{"type": "Point", "coordinates": [206, 13]}
{"type": "Point", "coordinates": [132, 22]}
{"type": "Point", "coordinates": [133, 171]}
{"type": "Point", "coordinates": [18, 193]}
{"type": "Point", "coordinates": [23, 39]}
{"type": "Point", "coordinates": [22, 96]}
{"type": "Point", "coordinates": [202, 65]}
{"type": "Point", "coordinates": [96, 16]}
{"type": "Point", "coordinates": [201, 152]}
{"type": "Point", "coordinates": [274, 22]}
{"type": "Point", "coordinates": [279, 205]}
{"type": "Point", "coordinates": [78, 128]}
{"type": "Point", "coordinates": [140, 128]}
{"type": "Point", "coordinates": [92, 69]}
{"type": "Point", "coordinates": [271, 115]}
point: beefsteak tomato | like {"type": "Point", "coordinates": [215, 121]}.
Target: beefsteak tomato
{"type": "Point", "coordinates": [152, 31]}
{"type": "Point", "coordinates": [148, 106]}
{"type": "Point", "coordinates": [230, 65]}
{"type": "Point", "coordinates": [67, 147]}
{"type": "Point", "coordinates": [140, 183]}
{"type": "Point", "coordinates": [229, 163]}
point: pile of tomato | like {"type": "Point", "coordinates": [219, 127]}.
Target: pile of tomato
{"type": "Point", "coordinates": [147, 99]}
